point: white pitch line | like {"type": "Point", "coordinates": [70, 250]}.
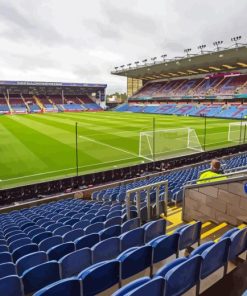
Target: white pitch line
{"type": "Point", "coordinates": [107, 145]}
{"type": "Point", "coordinates": [69, 169]}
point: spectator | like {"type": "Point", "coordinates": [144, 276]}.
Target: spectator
{"type": "Point", "coordinates": [214, 172]}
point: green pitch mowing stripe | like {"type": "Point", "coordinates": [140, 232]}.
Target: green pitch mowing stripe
{"type": "Point", "coordinates": [41, 147]}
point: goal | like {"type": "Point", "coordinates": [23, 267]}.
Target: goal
{"type": "Point", "coordinates": [237, 132]}
{"type": "Point", "coordinates": [168, 143]}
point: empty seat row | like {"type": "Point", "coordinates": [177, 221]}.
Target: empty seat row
{"type": "Point", "coordinates": [56, 211]}
{"type": "Point", "coordinates": [36, 234]}
{"type": "Point", "coordinates": [113, 244]}
{"type": "Point", "coordinates": [174, 278]}
{"type": "Point", "coordinates": [128, 247]}
{"type": "Point", "coordinates": [76, 237]}
{"type": "Point", "coordinates": [177, 179]}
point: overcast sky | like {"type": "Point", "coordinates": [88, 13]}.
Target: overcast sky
{"type": "Point", "coordinates": [82, 41]}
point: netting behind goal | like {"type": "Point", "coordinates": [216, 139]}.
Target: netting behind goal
{"type": "Point", "coordinates": [237, 132]}
{"type": "Point", "coordinates": [168, 143]}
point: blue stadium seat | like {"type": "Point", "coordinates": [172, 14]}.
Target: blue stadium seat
{"type": "Point", "coordinates": [81, 224]}
{"type": "Point", "coordinates": [110, 232]}
{"type": "Point", "coordinates": [41, 236]}
{"type": "Point", "coordinates": [7, 269]}
{"type": "Point", "coordinates": [135, 260]}
{"type": "Point", "coordinates": [114, 214]}
{"type": "Point", "coordinates": [46, 224]}
{"type": "Point", "coordinates": [24, 250]}
{"type": "Point", "coordinates": [215, 257]}
{"type": "Point", "coordinates": [189, 234]}
{"type": "Point", "coordinates": [199, 250]}
{"type": "Point", "coordinates": [78, 216]}
{"type": "Point", "coordinates": [11, 286]}
{"type": "Point", "coordinates": [19, 243]}
{"type": "Point", "coordinates": [154, 287]}
{"type": "Point", "coordinates": [63, 220]}
{"type": "Point", "coordinates": [87, 241]}
{"type": "Point", "coordinates": [94, 228]}
{"type": "Point", "coordinates": [131, 224]}
{"type": "Point", "coordinates": [54, 226]}
{"type": "Point", "coordinates": [36, 231]}
{"type": "Point", "coordinates": [3, 248]}
{"type": "Point", "coordinates": [132, 238]}
{"type": "Point", "coordinates": [113, 221]}
{"type": "Point", "coordinates": [72, 221]}
{"type": "Point", "coordinates": [116, 208]}
{"type": "Point", "coordinates": [12, 233]}
{"type": "Point", "coordinates": [88, 217]}
{"type": "Point", "coordinates": [169, 266]}
{"type": "Point", "coordinates": [29, 261]}
{"type": "Point", "coordinates": [229, 232]}
{"type": "Point", "coordinates": [154, 229]}
{"type": "Point", "coordinates": [164, 246]}
{"type": "Point", "coordinates": [62, 230]}
{"type": "Point", "coordinates": [92, 212]}
{"type": "Point", "coordinates": [105, 274]}
{"type": "Point", "coordinates": [11, 229]}
{"type": "Point", "coordinates": [26, 225]}
{"type": "Point", "coordinates": [31, 228]}
{"type": "Point", "coordinates": [100, 218]}
{"type": "Point", "coordinates": [50, 242]}
{"type": "Point", "coordinates": [238, 242]}
{"type": "Point", "coordinates": [72, 235]}
{"type": "Point", "coordinates": [5, 257]}
{"type": "Point", "coordinates": [38, 277]}
{"type": "Point", "coordinates": [16, 237]}
{"type": "Point", "coordinates": [57, 252]}
{"type": "Point", "coordinates": [103, 212]}
{"type": "Point", "coordinates": [42, 221]}
{"type": "Point", "coordinates": [132, 286]}
{"type": "Point", "coordinates": [182, 276]}
{"type": "Point", "coordinates": [106, 250]}
{"type": "Point", "coordinates": [73, 263]}
{"type": "Point", "coordinates": [66, 287]}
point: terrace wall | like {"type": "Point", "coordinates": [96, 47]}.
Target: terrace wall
{"type": "Point", "coordinates": [222, 201]}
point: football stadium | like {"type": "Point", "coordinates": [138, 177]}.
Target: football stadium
{"type": "Point", "coordinates": [146, 197]}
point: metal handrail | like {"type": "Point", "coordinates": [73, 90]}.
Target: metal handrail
{"type": "Point", "coordinates": [138, 198]}
{"type": "Point", "coordinates": [217, 177]}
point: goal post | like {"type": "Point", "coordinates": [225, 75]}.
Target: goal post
{"type": "Point", "coordinates": [168, 143]}
{"type": "Point", "coordinates": [237, 131]}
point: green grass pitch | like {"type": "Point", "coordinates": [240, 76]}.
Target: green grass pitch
{"type": "Point", "coordinates": [41, 147]}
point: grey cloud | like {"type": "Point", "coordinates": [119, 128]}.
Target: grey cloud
{"type": "Point", "coordinates": [21, 25]}
{"type": "Point", "coordinates": [116, 22]}
{"type": "Point", "coordinates": [83, 40]}
{"type": "Point", "coordinates": [134, 21]}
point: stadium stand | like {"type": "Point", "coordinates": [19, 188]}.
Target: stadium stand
{"type": "Point", "coordinates": [177, 179]}
{"type": "Point", "coordinates": [44, 103]}
{"type": "Point", "coordinates": [75, 242]}
{"type": "Point", "coordinates": [223, 85]}
{"type": "Point", "coordinates": [31, 104]}
{"type": "Point", "coordinates": [93, 243]}
{"type": "Point", "coordinates": [112, 261]}
{"type": "Point", "coordinates": [18, 97]}
{"type": "Point", "coordinates": [192, 97]}
{"type": "Point", "coordinates": [4, 108]}
{"type": "Point", "coordinates": [191, 109]}
{"type": "Point", "coordinates": [17, 104]}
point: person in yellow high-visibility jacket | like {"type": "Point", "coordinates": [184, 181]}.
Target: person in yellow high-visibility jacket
{"type": "Point", "coordinates": [214, 172]}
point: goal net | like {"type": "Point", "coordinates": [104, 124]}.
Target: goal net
{"type": "Point", "coordinates": [237, 132]}
{"type": "Point", "coordinates": [168, 143]}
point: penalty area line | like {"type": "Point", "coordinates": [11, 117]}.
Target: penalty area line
{"type": "Point", "coordinates": [110, 146]}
